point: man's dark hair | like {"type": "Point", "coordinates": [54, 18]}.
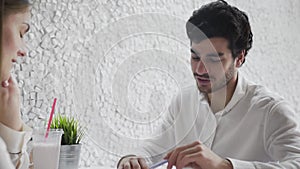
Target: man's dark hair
{"type": "Point", "coordinates": [218, 19]}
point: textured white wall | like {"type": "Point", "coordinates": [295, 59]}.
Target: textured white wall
{"type": "Point", "coordinates": [116, 64]}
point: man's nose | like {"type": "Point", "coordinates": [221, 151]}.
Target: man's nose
{"type": "Point", "coordinates": [201, 69]}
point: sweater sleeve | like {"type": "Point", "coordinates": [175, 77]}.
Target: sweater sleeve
{"type": "Point", "coordinates": [5, 161]}
{"type": "Point", "coordinates": [15, 143]}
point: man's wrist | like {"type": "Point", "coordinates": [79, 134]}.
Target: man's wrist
{"type": "Point", "coordinates": [119, 162]}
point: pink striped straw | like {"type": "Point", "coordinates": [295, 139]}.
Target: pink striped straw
{"type": "Point", "coordinates": [50, 119]}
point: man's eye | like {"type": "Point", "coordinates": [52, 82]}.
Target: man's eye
{"type": "Point", "coordinates": [195, 57]}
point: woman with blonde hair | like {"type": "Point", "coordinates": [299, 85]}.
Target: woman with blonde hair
{"type": "Point", "coordinates": [14, 134]}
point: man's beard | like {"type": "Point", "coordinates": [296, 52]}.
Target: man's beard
{"type": "Point", "coordinates": [219, 84]}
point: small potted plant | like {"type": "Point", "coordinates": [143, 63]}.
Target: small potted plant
{"type": "Point", "coordinates": [70, 141]}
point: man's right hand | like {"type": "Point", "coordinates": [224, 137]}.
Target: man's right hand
{"type": "Point", "coordinates": [133, 162]}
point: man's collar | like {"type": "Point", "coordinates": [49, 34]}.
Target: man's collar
{"type": "Point", "coordinates": [239, 92]}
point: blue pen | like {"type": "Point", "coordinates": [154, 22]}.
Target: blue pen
{"type": "Point", "coordinates": [158, 164]}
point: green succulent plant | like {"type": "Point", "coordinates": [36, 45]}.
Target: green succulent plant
{"type": "Point", "coordinates": [73, 132]}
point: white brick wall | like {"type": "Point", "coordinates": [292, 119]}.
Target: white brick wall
{"type": "Point", "coordinates": [116, 64]}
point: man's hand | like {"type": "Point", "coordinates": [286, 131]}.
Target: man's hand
{"type": "Point", "coordinates": [132, 162]}
{"type": "Point", "coordinates": [197, 156]}
{"type": "Point", "coordinates": [10, 105]}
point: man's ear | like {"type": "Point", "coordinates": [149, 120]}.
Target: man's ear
{"type": "Point", "coordinates": [240, 58]}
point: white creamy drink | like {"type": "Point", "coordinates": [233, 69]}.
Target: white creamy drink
{"type": "Point", "coordinates": [45, 155]}
{"type": "Point", "coordinates": [46, 149]}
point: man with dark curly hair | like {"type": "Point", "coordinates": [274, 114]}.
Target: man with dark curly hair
{"type": "Point", "coordinates": [225, 121]}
